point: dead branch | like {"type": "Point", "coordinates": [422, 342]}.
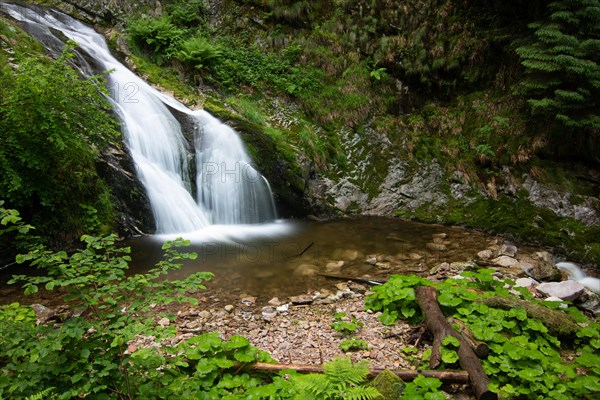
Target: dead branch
{"type": "Point", "coordinates": [436, 323]}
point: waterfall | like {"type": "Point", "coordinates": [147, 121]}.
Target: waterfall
{"type": "Point", "coordinates": [228, 188]}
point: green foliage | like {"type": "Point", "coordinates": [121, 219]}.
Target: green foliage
{"type": "Point", "coordinates": [45, 394]}
{"type": "Point", "coordinates": [341, 380]}
{"type": "Point", "coordinates": [159, 37]}
{"type": "Point", "coordinates": [345, 327]}
{"type": "Point", "coordinates": [198, 52]}
{"type": "Point", "coordinates": [53, 126]}
{"type": "Point", "coordinates": [563, 64]}
{"type": "Point", "coordinates": [190, 14]}
{"type": "Point", "coordinates": [86, 356]}
{"type": "Point", "coordinates": [525, 360]}
{"type": "Point", "coordinates": [353, 345]}
{"type": "Point", "coordinates": [423, 388]}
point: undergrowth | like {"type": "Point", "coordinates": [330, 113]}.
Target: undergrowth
{"type": "Point", "coordinates": [525, 360]}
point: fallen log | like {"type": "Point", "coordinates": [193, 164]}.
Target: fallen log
{"type": "Point", "coordinates": [448, 376]}
{"type": "Point", "coordinates": [480, 348]}
{"type": "Point", "coordinates": [558, 323]}
{"type": "Point", "coordinates": [436, 323]}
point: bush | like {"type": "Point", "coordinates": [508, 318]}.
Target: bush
{"type": "Point", "coordinates": [198, 53]}
{"type": "Point", "coordinates": [156, 37]}
{"type": "Point", "coordinates": [53, 126]}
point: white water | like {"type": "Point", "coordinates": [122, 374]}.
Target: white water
{"type": "Point", "coordinates": [229, 189]}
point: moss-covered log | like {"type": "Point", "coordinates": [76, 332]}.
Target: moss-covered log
{"type": "Point", "coordinates": [557, 322]}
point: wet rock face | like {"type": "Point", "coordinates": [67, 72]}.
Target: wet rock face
{"type": "Point", "coordinates": [562, 204]}
{"type": "Point", "coordinates": [131, 202]}
{"type": "Point", "coordinates": [107, 11]}
{"type": "Point", "coordinates": [401, 189]}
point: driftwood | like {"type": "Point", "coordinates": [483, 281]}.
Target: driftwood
{"type": "Point", "coordinates": [480, 348]}
{"type": "Point", "coordinates": [406, 375]}
{"type": "Point", "coordinates": [368, 281]}
{"type": "Point", "coordinates": [436, 323]}
{"type": "Point", "coordinates": [557, 322]}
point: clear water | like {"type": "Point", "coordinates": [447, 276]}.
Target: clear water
{"type": "Point", "coordinates": [290, 260]}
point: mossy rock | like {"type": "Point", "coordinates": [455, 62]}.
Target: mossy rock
{"type": "Point", "coordinates": [389, 385]}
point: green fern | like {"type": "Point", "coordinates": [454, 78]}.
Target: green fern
{"type": "Point", "coordinates": [341, 380]}
{"type": "Point", "coordinates": [341, 370]}
{"type": "Point", "coordinates": [44, 394]}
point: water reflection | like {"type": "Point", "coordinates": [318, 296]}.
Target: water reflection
{"type": "Point", "coordinates": [287, 258]}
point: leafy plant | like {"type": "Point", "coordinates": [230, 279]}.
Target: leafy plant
{"type": "Point", "coordinates": [53, 126]}
{"type": "Point", "coordinates": [345, 327]}
{"type": "Point", "coordinates": [353, 345]}
{"type": "Point", "coordinates": [198, 52]}
{"type": "Point", "coordinates": [84, 356]}
{"type": "Point", "coordinates": [423, 388]}
{"type": "Point", "coordinates": [525, 359]}
{"type": "Point", "coordinates": [341, 380]}
{"type": "Point", "coordinates": [157, 36]}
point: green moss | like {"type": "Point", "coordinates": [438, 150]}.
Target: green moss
{"type": "Point", "coordinates": [389, 385]}
{"type": "Point", "coordinates": [168, 78]}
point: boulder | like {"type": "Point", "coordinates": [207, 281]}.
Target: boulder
{"type": "Point", "coordinates": [565, 290]}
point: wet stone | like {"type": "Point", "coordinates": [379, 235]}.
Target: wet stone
{"type": "Point", "coordinates": [274, 302]}
{"type": "Point", "coordinates": [249, 300]}
{"type": "Point", "coordinates": [565, 290]}
{"type": "Point", "coordinates": [505, 261]}
{"type": "Point", "coordinates": [525, 282]}
{"type": "Point", "coordinates": [436, 246]}
{"type": "Point", "coordinates": [508, 250]}
{"type": "Point", "coordinates": [301, 299]}
{"type": "Point", "coordinates": [306, 270]}
{"type": "Point", "coordinates": [42, 313]}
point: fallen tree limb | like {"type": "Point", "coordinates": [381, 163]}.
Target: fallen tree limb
{"type": "Point", "coordinates": [436, 323]}
{"type": "Point", "coordinates": [406, 375]}
{"type": "Point", "coordinates": [557, 322]}
{"type": "Point", "coordinates": [480, 348]}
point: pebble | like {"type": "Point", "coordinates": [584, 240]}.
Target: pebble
{"type": "Point", "coordinates": [508, 250]}
{"type": "Point", "coordinates": [249, 300]}
{"type": "Point", "coordinates": [436, 246]}
{"type": "Point", "coordinates": [505, 261]}
{"type": "Point", "coordinates": [485, 254]}
{"type": "Point", "coordinates": [274, 301]}
{"type": "Point", "coordinates": [229, 308]}
{"type": "Point", "coordinates": [525, 282]}
{"type": "Point", "coordinates": [164, 322]}
{"type": "Point", "coordinates": [301, 299]}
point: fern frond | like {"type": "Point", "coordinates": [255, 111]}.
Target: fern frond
{"type": "Point", "coordinates": [342, 370]}
{"type": "Point", "coordinates": [362, 393]}
{"type": "Point", "coordinates": [41, 395]}
{"type": "Point", "coordinates": [313, 384]}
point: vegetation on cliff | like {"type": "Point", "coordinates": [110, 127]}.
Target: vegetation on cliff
{"type": "Point", "coordinates": [53, 128]}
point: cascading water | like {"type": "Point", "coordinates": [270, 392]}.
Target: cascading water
{"type": "Point", "coordinates": [229, 190]}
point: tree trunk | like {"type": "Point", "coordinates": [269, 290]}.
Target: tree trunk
{"type": "Point", "coordinates": [436, 323]}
